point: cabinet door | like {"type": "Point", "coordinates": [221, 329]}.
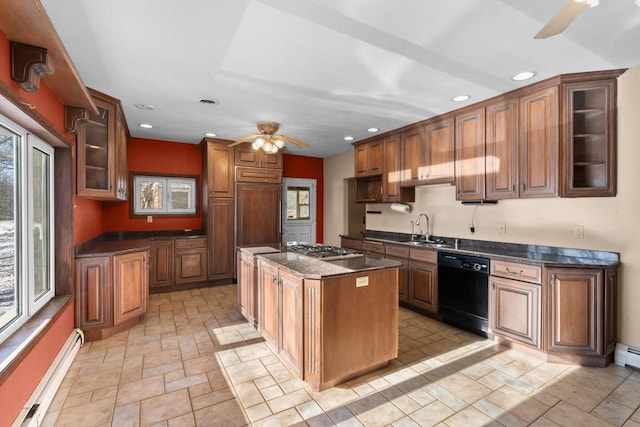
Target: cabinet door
{"type": "Point", "coordinates": [122, 171]}
{"type": "Point", "coordinates": [589, 139]}
{"type": "Point", "coordinates": [220, 238]}
{"type": "Point", "coordinates": [575, 311]}
{"type": "Point", "coordinates": [423, 289]}
{"type": "Point", "coordinates": [403, 277]}
{"type": "Point", "coordinates": [348, 243]}
{"type": "Point", "coordinates": [412, 142]}
{"type": "Point", "coordinates": [220, 169]}
{"type": "Point", "coordinates": [361, 160]}
{"type": "Point", "coordinates": [440, 152]}
{"type": "Point", "coordinates": [539, 134]}
{"type": "Point", "coordinates": [245, 155]}
{"type": "Point", "coordinates": [93, 293]}
{"type": "Point", "coordinates": [130, 286]}
{"type": "Point", "coordinates": [191, 265]}
{"type": "Point", "coordinates": [258, 214]}
{"type": "Point", "coordinates": [290, 346]}
{"type": "Point", "coordinates": [96, 152]}
{"type": "Point", "coordinates": [161, 263]}
{"type": "Point", "coordinates": [375, 157]}
{"type": "Point", "coordinates": [246, 286]}
{"type": "Point", "coordinates": [501, 147]}
{"type": "Point", "coordinates": [270, 161]}
{"type": "Point", "coordinates": [470, 169]}
{"type": "Point", "coordinates": [269, 304]}
{"type": "Point", "coordinates": [514, 310]}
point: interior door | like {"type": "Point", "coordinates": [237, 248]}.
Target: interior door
{"type": "Point", "coordinates": [299, 210]}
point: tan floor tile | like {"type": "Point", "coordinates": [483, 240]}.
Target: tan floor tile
{"type": "Point", "coordinates": [432, 414]}
{"type": "Point", "coordinates": [287, 401]}
{"type": "Point", "coordinates": [164, 407]}
{"type": "Point", "coordinates": [212, 398]}
{"type": "Point", "coordinates": [139, 390]}
{"type": "Point", "coordinates": [264, 382]}
{"type": "Point", "coordinates": [464, 387]}
{"type": "Point", "coordinates": [612, 412]}
{"type": "Point", "coordinates": [78, 399]}
{"type": "Point", "coordinates": [186, 420]}
{"type": "Point", "coordinates": [499, 414]}
{"type": "Point", "coordinates": [132, 369]}
{"type": "Point", "coordinates": [258, 412]}
{"type": "Point", "coordinates": [200, 389]}
{"type": "Point", "coordinates": [228, 414]}
{"type": "Point", "coordinates": [200, 365]}
{"type": "Point", "coordinates": [87, 415]}
{"type": "Point", "coordinates": [628, 394]}
{"type": "Point", "coordinates": [334, 397]}
{"type": "Point", "coordinates": [249, 394]}
{"type": "Point", "coordinates": [517, 403]}
{"type": "Point", "coordinates": [176, 375]}
{"type": "Point", "coordinates": [445, 396]}
{"type": "Point", "coordinates": [186, 382]}
{"type": "Point", "coordinates": [375, 409]}
{"type": "Point", "coordinates": [470, 417]}
{"type": "Point", "coordinates": [246, 371]}
{"type": "Point", "coordinates": [94, 381]}
{"type": "Point", "coordinates": [127, 415]}
{"type": "Point", "coordinates": [59, 399]}
{"type": "Point", "coordinates": [574, 395]}
{"type": "Point", "coordinates": [566, 415]}
{"type": "Point", "coordinates": [544, 422]}
{"type": "Point", "coordinates": [218, 379]}
{"type": "Point", "coordinates": [341, 416]}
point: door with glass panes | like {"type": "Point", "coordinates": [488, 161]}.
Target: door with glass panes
{"type": "Point", "coordinates": [299, 210]}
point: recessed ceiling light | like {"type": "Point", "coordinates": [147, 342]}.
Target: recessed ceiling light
{"type": "Point", "coordinates": [146, 107]}
{"type": "Point", "coordinates": [373, 130]}
{"type": "Point", "coordinates": [460, 98]}
{"type": "Point", "coordinates": [349, 138]}
{"type": "Point", "coordinates": [145, 125]}
{"type": "Point", "coordinates": [209, 101]}
{"type": "Point", "coordinates": [210, 134]}
{"type": "Point", "coordinates": [525, 75]}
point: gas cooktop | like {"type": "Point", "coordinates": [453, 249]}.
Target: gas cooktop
{"type": "Point", "coordinates": [324, 252]}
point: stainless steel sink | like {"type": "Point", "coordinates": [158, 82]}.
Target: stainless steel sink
{"type": "Point", "coordinates": [427, 243]}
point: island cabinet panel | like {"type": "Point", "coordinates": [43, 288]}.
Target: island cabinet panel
{"type": "Point", "coordinates": [470, 155]}
{"type": "Point", "coordinates": [501, 150]}
{"type": "Point", "coordinates": [539, 143]}
{"type": "Point", "coordinates": [269, 304]}
{"type": "Point", "coordinates": [130, 286]}
{"type": "Point", "coordinates": [514, 310]}
{"type": "Point", "coordinates": [576, 302]}
{"type": "Point", "coordinates": [350, 328]}
{"type": "Point", "coordinates": [247, 294]}
{"type": "Point", "coordinates": [290, 345]}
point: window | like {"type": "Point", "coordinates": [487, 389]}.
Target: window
{"type": "Point", "coordinates": [165, 195]}
{"type": "Point", "coordinates": [26, 231]}
{"type": "Point", "coordinates": [298, 203]}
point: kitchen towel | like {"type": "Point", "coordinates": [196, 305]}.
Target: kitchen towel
{"type": "Point", "coordinates": [399, 207]}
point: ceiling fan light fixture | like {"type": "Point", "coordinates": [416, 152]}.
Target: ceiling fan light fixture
{"type": "Point", "coordinates": [525, 75]}
{"type": "Point", "coordinates": [278, 143]}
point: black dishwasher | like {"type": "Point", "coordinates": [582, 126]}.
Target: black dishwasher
{"type": "Point", "coordinates": [463, 291]}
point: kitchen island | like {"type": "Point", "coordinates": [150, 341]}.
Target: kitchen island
{"type": "Point", "coordinates": [329, 321]}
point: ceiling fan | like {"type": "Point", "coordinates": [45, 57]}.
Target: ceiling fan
{"type": "Point", "coordinates": [267, 139]}
{"type": "Point", "coordinates": [564, 17]}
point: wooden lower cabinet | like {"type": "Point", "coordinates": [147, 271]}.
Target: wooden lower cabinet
{"type": "Point", "coordinates": [581, 318]}
{"type": "Point", "coordinates": [246, 280]}
{"type": "Point", "coordinates": [178, 262]}
{"type": "Point", "coordinates": [400, 253]}
{"type": "Point", "coordinates": [348, 243]}
{"type": "Point", "coordinates": [270, 303]}
{"type": "Point", "coordinates": [112, 293]}
{"type": "Point", "coordinates": [423, 280]}
{"type": "Point", "coordinates": [514, 310]}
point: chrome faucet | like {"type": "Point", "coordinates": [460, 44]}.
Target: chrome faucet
{"type": "Point", "coordinates": [426, 234]}
{"type": "Point", "coordinates": [413, 234]}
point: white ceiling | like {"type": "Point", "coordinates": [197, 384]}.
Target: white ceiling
{"type": "Point", "coordinates": [324, 69]}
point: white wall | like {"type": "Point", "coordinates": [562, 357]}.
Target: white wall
{"type": "Point", "coordinates": [610, 223]}
{"type": "Point", "coordinates": [336, 169]}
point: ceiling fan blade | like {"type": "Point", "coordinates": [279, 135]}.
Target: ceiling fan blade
{"type": "Point", "coordinates": [292, 140]}
{"type": "Point", "coordinates": [562, 19]}
{"type": "Point", "coordinates": [244, 139]}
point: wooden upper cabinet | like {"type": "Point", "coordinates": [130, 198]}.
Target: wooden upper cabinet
{"type": "Point", "coordinates": [101, 151]}
{"type": "Point", "coordinates": [470, 155]}
{"type": "Point", "coordinates": [589, 167]}
{"type": "Point", "coordinates": [539, 138]}
{"type": "Point", "coordinates": [245, 155]}
{"type": "Point", "coordinates": [412, 148]}
{"type": "Point", "coordinates": [501, 150]}
{"type": "Point", "coordinates": [368, 158]}
{"type": "Point", "coordinates": [219, 162]}
{"type": "Point", "coordinates": [439, 152]}
{"type": "Point", "coordinates": [391, 189]}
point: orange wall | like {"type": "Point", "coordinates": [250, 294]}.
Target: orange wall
{"type": "Point", "coordinates": [147, 155]}
{"type": "Point", "coordinates": [20, 384]}
{"type": "Point", "coordinates": [312, 168]}
{"type": "Point", "coordinates": [87, 219]}
{"type": "Point", "coordinates": [17, 389]}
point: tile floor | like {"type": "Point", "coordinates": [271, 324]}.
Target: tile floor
{"type": "Point", "coordinates": [195, 361]}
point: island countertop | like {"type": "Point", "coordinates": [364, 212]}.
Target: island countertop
{"type": "Point", "coordinates": [314, 268]}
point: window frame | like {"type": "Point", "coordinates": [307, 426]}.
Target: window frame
{"type": "Point", "coordinates": [134, 205]}
{"type": "Point", "coordinates": [27, 305]}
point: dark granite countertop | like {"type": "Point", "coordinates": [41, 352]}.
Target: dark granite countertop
{"type": "Point", "coordinates": [114, 243]}
{"type": "Point", "coordinates": [548, 256]}
{"type": "Point", "coordinates": [113, 247]}
{"type": "Point", "coordinates": [314, 268]}
{"type": "Point", "coordinates": [262, 249]}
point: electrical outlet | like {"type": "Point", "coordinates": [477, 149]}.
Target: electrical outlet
{"type": "Point", "coordinates": [502, 227]}
{"type": "Point", "coordinates": [149, 218]}
{"type": "Point", "coordinates": [578, 232]}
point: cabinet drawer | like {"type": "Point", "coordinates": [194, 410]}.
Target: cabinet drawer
{"type": "Point", "coordinates": [200, 242]}
{"type": "Point", "coordinates": [245, 174]}
{"type": "Point", "coordinates": [423, 255]}
{"type": "Point", "coordinates": [397, 250]}
{"type": "Point", "coordinates": [513, 270]}
{"type": "Point", "coordinates": [374, 247]}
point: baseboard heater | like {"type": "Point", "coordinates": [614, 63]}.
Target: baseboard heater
{"type": "Point", "coordinates": [36, 407]}
{"type": "Point", "coordinates": [627, 356]}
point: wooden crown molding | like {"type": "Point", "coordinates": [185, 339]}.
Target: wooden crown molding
{"type": "Point", "coordinates": [73, 116]}
{"type": "Point", "coordinates": [29, 64]}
